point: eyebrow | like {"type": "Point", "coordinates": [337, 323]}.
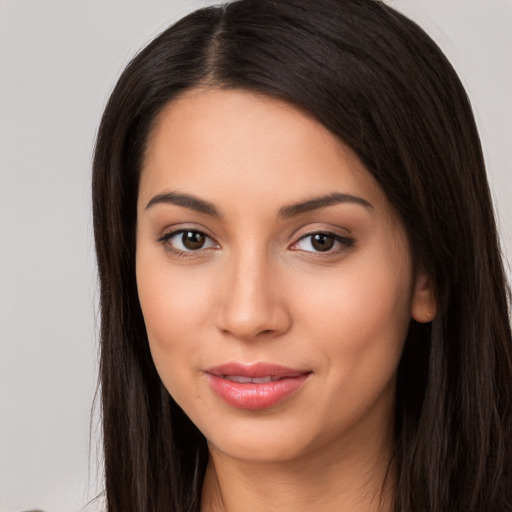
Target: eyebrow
{"type": "Point", "coordinates": [315, 203]}
{"type": "Point", "coordinates": [187, 201]}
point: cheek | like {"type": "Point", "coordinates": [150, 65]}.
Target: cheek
{"type": "Point", "coordinates": [357, 323]}
{"type": "Point", "coordinates": [360, 316]}
{"type": "Point", "coordinates": [175, 305]}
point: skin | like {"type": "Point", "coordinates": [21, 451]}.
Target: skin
{"type": "Point", "coordinates": [258, 290]}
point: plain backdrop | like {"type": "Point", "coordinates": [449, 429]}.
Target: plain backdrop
{"type": "Point", "coordinates": [58, 62]}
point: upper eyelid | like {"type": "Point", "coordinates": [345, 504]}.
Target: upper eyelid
{"type": "Point", "coordinates": [171, 234]}
{"type": "Point", "coordinates": [165, 238]}
{"type": "Point", "coordinates": [323, 232]}
{"type": "Point", "coordinates": [321, 227]}
{"type": "Point", "coordinates": [173, 230]}
{"type": "Point", "coordinates": [348, 240]}
{"type": "Point", "coordinates": [170, 231]}
{"type": "Point", "coordinates": [310, 230]}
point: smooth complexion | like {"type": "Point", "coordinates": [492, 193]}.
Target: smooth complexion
{"type": "Point", "coordinates": [262, 240]}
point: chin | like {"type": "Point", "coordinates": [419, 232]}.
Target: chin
{"type": "Point", "coordinates": [264, 449]}
{"type": "Point", "coordinates": [271, 440]}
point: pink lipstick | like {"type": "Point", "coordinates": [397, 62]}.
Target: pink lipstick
{"type": "Point", "coordinates": [255, 386]}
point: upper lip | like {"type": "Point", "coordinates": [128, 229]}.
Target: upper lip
{"type": "Point", "coordinates": [255, 370]}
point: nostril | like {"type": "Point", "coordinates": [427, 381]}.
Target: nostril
{"type": "Point", "coordinates": [249, 308]}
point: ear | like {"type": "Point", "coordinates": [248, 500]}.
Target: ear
{"type": "Point", "coordinates": [423, 304]}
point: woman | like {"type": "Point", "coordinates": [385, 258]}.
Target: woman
{"type": "Point", "coordinates": [303, 300]}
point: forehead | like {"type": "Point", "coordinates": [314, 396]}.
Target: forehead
{"type": "Point", "coordinates": [244, 148]}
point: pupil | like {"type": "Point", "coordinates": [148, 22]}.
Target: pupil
{"type": "Point", "coordinates": [322, 242]}
{"type": "Point", "coordinates": [193, 240]}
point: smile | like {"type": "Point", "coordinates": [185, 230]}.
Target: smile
{"type": "Point", "coordinates": [253, 387]}
{"type": "Point", "coordinates": [254, 380]}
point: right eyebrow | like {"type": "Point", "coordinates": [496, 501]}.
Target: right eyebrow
{"type": "Point", "coordinates": [187, 201]}
{"type": "Point", "coordinates": [316, 203]}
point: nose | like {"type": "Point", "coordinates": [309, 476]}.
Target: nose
{"type": "Point", "coordinates": [254, 305]}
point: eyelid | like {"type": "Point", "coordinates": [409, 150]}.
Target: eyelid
{"type": "Point", "coordinates": [345, 241]}
{"type": "Point", "coordinates": [173, 231]}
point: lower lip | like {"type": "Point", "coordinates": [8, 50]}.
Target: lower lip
{"type": "Point", "coordinates": [253, 396]}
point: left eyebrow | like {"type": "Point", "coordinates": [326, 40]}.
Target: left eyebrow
{"type": "Point", "coordinates": [187, 201]}
{"type": "Point", "coordinates": [316, 203]}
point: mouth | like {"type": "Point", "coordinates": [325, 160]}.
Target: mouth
{"type": "Point", "coordinates": [255, 380]}
{"type": "Point", "coordinates": [256, 386]}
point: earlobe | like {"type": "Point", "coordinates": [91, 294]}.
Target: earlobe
{"type": "Point", "coordinates": [423, 304]}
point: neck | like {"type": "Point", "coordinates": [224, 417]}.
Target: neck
{"type": "Point", "coordinates": [335, 479]}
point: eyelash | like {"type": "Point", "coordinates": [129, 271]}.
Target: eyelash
{"type": "Point", "coordinates": [165, 240]}
{"type": "Point", "coordinates": [341, 240]}
{"type": "Point", "coordinates": [345, 243]}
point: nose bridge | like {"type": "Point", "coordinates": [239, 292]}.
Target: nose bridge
{"type": "Point", "coordinates": [252, 304]}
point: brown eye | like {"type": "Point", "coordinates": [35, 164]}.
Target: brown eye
{"type": "Point", "coordinates": [322, 241]}
{"type": "Point", "coordinates": [193, 240]}
{"type": "Point", "coordinates": [187, 240]}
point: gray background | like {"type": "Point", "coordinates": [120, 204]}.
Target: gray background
{"type": "Point", "coordinates": [58, 62]}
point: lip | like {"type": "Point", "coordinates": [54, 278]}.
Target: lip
{"type": "Point", "coordinates": [255, 395]}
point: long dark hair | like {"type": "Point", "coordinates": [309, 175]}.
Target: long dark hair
{"type": "Point", "coordinates": [380, 84]}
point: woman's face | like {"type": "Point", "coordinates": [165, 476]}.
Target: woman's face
{"type": "Point", "coordinates": [275, 280]}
